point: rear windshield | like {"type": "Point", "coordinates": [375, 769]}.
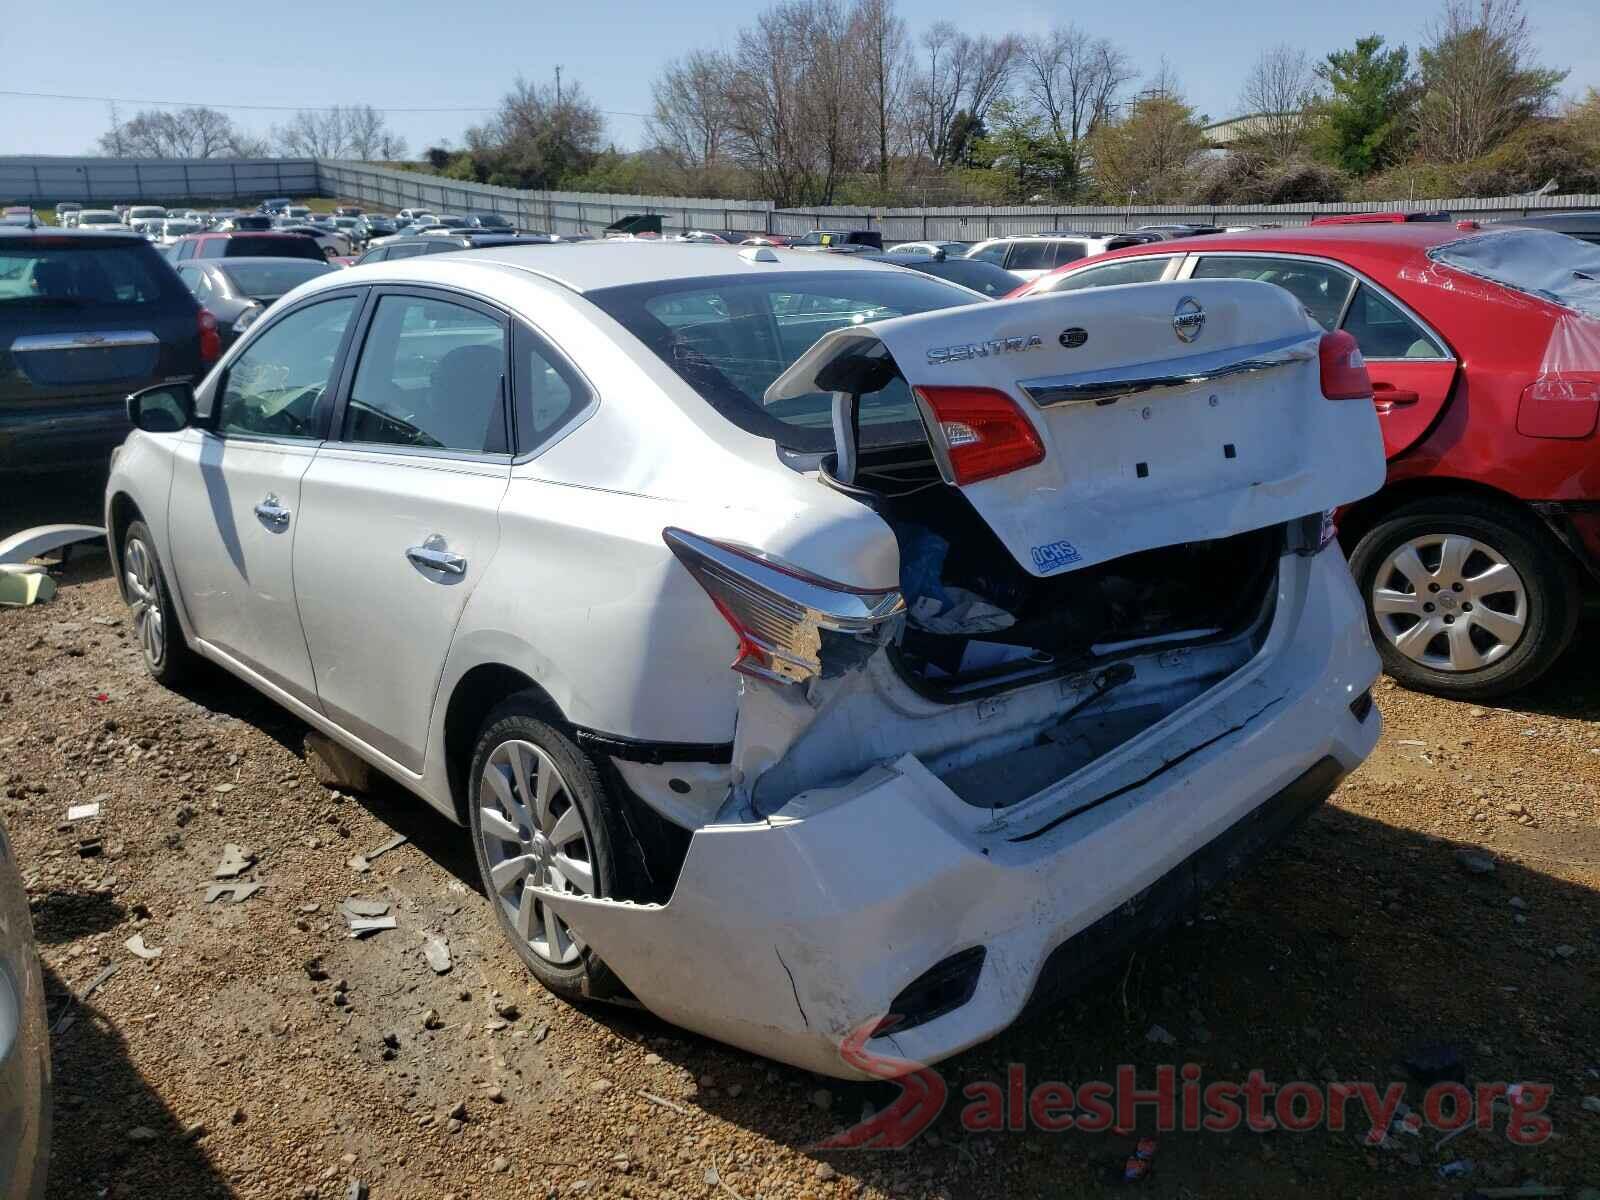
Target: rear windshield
{"type": "Point", "coordinates": [129, 274]}
{"type": "Point", "coordinates": [262, 279]}
{"type": "Point", "coordinates": [280, 246]}
{"type": "Point", "coordinates": [1553, 266]}
{"type": "Point", "coordinates": [730, 336]}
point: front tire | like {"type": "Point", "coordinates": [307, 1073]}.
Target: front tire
{"type": "Point", "coordinates": [1467, 598]}
{"type": "Point", "coordinates": [155, 621]}
{"type": "Point", "coordinates": [540, 818]}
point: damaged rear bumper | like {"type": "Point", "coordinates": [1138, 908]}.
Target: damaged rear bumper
{"type": "Point", "coordinates": [785, 935]}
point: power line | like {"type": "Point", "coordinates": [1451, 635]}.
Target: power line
{"type": "Point", "coordinates": [275, 107]}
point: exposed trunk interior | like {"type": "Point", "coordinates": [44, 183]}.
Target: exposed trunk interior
{"type": "Point", "coordinates": [978, 624]}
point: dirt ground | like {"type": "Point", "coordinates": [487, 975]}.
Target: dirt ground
{"type": "Point", "coordinates": [250, 1058]}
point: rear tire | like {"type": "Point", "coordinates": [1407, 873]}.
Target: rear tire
{"type": "Point", "coordinates": [155, 620]}
{"type": "Point", "coordinates": [1467, 598]}
{"type": "Point", "coordinates": [560, 834]}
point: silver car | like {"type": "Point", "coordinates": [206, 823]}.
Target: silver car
{"type": "Point", "coordinates": [24, 1044]}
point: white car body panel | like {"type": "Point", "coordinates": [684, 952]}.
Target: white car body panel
{"type": "Point", "coordinates": [829, 864]}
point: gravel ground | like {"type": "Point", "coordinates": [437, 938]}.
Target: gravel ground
{"type": "Point", "coordinates": [250, 1058]}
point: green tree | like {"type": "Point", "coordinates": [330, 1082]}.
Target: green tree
{"type": "Point", "coordinates": [1025, 152]}
{"type": "Point", "coordinates": [1480, 82]}
{"type": "Point", "coordinates": [1363, 122]}
{"type": "Point", "coordinates": [1146, 157]}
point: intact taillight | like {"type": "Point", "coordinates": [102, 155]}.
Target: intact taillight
{"type": "Point", "coordinates": [978, 433]}
{"type": "Point", "coordinates": [210, 339]}
{"type": "Point", "coordinates": [777, 611]}
{"type": "Point", "coordinates": [1344, 370]}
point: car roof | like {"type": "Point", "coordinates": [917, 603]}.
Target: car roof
{"type": "Point", "coordinates": [60, 233]}
{"type": "Point", "coordinates": [1392, 243]}
{"type": "Point", "coordinates": [590, 266]}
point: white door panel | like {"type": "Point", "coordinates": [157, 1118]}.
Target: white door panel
{"type": "Point", "coordinates": [389, 549]}
{"type": "Point", "coordinates": [233, 564]}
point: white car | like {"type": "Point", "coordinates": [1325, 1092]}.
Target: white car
{"type": "Point", "coordinates": [174, 228]}
{"type": "Point", "coordinates": [1035, 621]}
{"type": "Point", "coordinates": [99, 218]}
{"type": "Point", "coordinates": [1031, 255]}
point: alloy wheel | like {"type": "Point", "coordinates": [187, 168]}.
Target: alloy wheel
{"type": "Point", "coordinates": [149, 625]}
{"type": "Point", "coordinates": [1450, 602]}
{"type": "Point", "coordinates": [533, 837]}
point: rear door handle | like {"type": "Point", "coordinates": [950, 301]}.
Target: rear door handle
{"type": "Point", "coordinates": [273, 513]}
{"type": "Point", "coordinates": [1386, 397]}
{"type": "Point", "coordinates": [435, 558]}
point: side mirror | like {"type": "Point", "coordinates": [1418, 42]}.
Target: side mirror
{"type": "Point", "coordinates": [164, 408]}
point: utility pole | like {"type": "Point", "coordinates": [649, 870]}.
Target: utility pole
{"type": "Point", "coordinates": [558, 85]}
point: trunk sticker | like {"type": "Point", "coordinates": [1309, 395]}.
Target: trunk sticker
{"type": "Point", "coordinates": [1052, 556]}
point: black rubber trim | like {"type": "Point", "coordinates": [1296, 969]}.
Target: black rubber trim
{"type": "Point", "coordinates": [1088, 953]}
{"type": "Point", "coordinates": [633, 750]}
{"type": "Point", "coordinates": [1554, 515]}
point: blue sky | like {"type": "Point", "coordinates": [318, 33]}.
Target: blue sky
{"type": "Point", "coordinates": [421, 54]}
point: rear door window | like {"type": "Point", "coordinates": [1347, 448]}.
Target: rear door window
{"type": "Point", "coordinates": [1130, 270]}
{"type": "Point", "coordinates": [432, 376]}
{"type": "Point", "coordinates": [1069, 252]}
{"type": "Point", "coordinates": [1383, 331]}
{"type": "Point", "coordinates": [1321, 288]}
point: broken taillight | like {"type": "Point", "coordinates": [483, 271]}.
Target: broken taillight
{"type": "Point", "coordinates": [778, 611]}
{"type": "Point", "coordinates": [1344, 370]}
{"type": "Point", "coordinates": [978, 433]}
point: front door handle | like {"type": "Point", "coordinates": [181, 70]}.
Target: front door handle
{"type": "Point", "coordinates": [432, 555]}
{"type": "Point", "coordinates": [273, 513]}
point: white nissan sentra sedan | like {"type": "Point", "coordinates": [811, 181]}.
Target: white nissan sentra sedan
{"type": "Point", "coordinates": [1035, 620]}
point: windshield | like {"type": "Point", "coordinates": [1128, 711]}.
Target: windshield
{"type": "Point", "coordinates": [492, 221]}
{"type": "Point", "coordinates": [1552, 266]}
{"type": "Point", "coordinates": [260, 280]}
{"type": "Point", "coordinates": [98, 218]}
{"type": "Point", "coordinates": [728, 337]}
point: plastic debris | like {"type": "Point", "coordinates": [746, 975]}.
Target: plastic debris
{"type": "Point", "coordinates": [1160, 1036]}
{"type": "Point", "coordinates": [20, 589]}
{"type": "Point", "coordinates": [361, 926]}
{"type": "Point", "coordinates": [82, 812]}
{"type": "Point", "coordinates": [1458, 1169]}
{"type": "Point", "coordinates": [137, 946]}
{"type": "Point", "coordinates": [961, 612]}
{"type": "Point", "coordinates": [69, 1014]}
{"type": "Point", "coordinates": [1140, 1161]}
{"type": "Point", "coordinates": [437, 952]}
{"type": "Point", "coordinates": [236, 860]}
{"type": "Point", "coordinates": [358, 907]}
{"type": "Point", "coordinates": [363, 862]}
{"type": "Point", "coordinates": [235, 892]}
{"type": "Point", "coordinates": [356, 1191]}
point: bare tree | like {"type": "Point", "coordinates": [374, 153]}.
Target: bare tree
{"type": "Point", "coordinates": [368, 136]}
{"type": "Point", "coordinates": [1072, 79]}
{"type": "Point", "coordinates": [963, 75]}
{"type": "Point", "coordinates": [193, 132]}
{"type": "Point", "coordinates": [360, 132]}
{"type": "Point", "coordinates": [1276, 96]}
{"type": "Point", "coordinates": [692, 116]}
{"type": "Point", "coordinates": [769, 102]}
{"type": "Point", "coordinates": [1480, 81]}
{"type": "Point", "coordinates": [537, 138]}
{"type": "Point", "coordinates": [880, 36]}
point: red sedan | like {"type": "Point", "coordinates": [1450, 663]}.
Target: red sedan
{"type": "Point", "coordinates": [1483, 345]}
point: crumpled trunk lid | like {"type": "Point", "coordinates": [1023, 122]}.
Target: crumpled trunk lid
{"type": "Point", "coordinates": [1169, 413]}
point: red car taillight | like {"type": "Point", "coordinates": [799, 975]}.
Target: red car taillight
{"type": "Point", "coordinates": [1344, 370]}
{"type": "Point", "coordinates": [978, 432]}
{"type": "Point", "coordinates": [778, 611]}
{"type": "Point", "coordinates": [210, 339]}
